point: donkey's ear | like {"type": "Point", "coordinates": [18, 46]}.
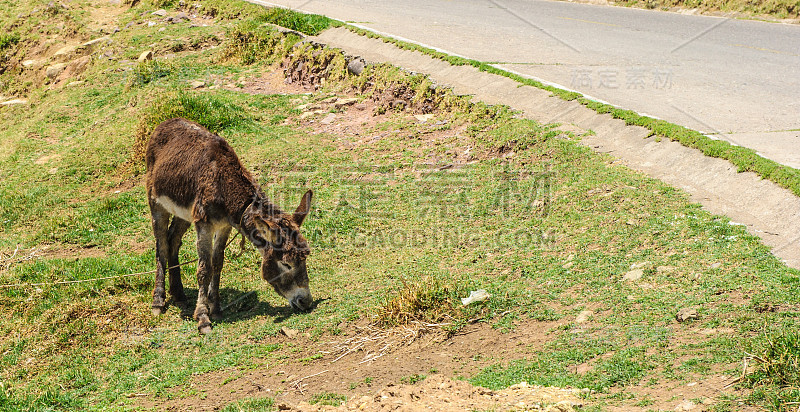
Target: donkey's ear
{"type": "Point", "coordinates": [302, 210]}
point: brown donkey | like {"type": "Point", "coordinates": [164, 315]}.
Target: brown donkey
{"type": "Point", "coordinates": [193, 175]}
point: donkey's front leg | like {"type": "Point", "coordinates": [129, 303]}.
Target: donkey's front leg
{"type": "Point", "coordinates": [205, 237]}
{"type": "Point", "coordinates": [160, 220]}
{"type": "Point", "coordinates": [217, 258]}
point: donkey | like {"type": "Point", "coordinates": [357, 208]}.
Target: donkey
{"type": "Point", "coordinates": [194, 176]}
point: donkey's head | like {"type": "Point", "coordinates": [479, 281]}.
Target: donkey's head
{"type": "Point", "coordinates": [284, 250]}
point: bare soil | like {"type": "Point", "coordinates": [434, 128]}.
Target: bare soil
{"type": "Point", "coordinates": [380, 361]}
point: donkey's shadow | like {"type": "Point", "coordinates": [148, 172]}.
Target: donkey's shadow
{"type": "Point", "coordinates": [238, 305]}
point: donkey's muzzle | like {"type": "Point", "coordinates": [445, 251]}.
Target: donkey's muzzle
{"type": "Point", "coordinates": [301, 302]}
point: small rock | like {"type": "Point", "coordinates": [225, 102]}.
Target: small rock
{"type": "Point", "coordinates": [563, 406]}
{"type": "Point", "coordinates": [328, 119]}
{"type": "Point", "coordinates": [78, 66]}
{"type": "Point", "coordinates": [328, 100]}
{"type": "Point", "coordinates": [685, 314]}
{"type": "Point", "coordinates": [151, 23]}
{"type": "Point", "coordinates": [308, 106]}
{"type": "Point", "coordinates": [13, 102]}
{"type": "Point", "coordinates": [289, 332]}
{"type": "Point", "coordinates": [159, 12]}
{"type": "Point", "coordinates": [475, 296]}
{"type": "Point", "coordinates": [28, 63]}
{"type": "Point", "coordinates": [639, 265]}
{"type": "Point", "coordinates": [91, 45]}
{"type": "Point", "coordinates": [339, 103]}
{"type": "Point", "coordinates": [356, 66]}
{"type": "Point", "coordinates": [146, 55]}
{"type": "Point", "coordinates": [306, 115]}
{"type": "Point", "coordinates": [181, 16]}
{"type": "Point", "coordinates": [716, 265]}
{"type": "Point", "coordinates": [64, 53]}
{"type": "Point", "coordinates": [53, 71]}
{"type": "Point", "coordinates": [633, 275]}
{"type": "Point", "coordinates": [422, 118]}
{"type": "Point", "coordinates": [360, 106]}
{"type": "Point", "coordinates": [685, 406]}
{"type": "Point", "coordinates": [584, 316]}
{"type": "Point", "coordinates": [196, 84]}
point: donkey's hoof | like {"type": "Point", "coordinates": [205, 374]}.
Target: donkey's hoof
{"type": "Point", "coordinates": [158, 311]}
{"type": "Point", "coordinates": [204, 329]}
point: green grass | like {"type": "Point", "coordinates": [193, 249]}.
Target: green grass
{"type": "Point", "coordinates": [216, 113]}
{"type": "Point", "coordinates": [412, 379]}
{"type": "Point", "coordinates": [310, 24]}
{"type": "Point", "coordinates": [390, 219]}
{"type": "Point", "coordinates": [251, 405]}
{"type": "Point", "coordinates": [150, 70]}
{"type": "Point", "coordinates": [8, 40]}
{"type": "Point", "coordinates": [328, 398]}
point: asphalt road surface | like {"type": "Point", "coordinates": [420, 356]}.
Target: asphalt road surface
{"type": "Point", "coordinates": [737, 80]}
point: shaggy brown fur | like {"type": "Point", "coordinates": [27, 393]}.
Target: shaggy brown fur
{"type": "Point", "coordinates": [194, 176]}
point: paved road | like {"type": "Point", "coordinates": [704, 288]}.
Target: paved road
{"type": "Point", "coordinates": [737, 80]}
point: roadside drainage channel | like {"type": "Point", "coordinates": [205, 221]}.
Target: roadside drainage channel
{"type": "Point", "coordinates": [766, 209]}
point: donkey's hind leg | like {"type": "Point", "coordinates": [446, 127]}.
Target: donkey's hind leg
{"type": "Point", "coordinates": [160, 221]}
{"type": "Point", "coordinates": [177, 229]}
{"type": "Point", "coordinates": [205, 239]}
{"type": "Point", "coordinates": [217, 258]}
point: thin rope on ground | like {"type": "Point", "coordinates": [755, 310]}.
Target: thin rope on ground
{"type": "Point", "coordinates": [69, 282]}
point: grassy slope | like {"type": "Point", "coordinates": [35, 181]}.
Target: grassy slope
{"type": "Point", "coordinates": [548, 233]}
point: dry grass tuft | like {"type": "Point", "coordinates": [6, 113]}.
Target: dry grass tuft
{"type": "Point", "coordinates": [426, 300]}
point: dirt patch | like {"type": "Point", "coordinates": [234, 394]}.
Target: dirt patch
{"type": "Point", "coordinates": [443, 394]}
{"type": "Point", "coordinates": [361, 373]}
